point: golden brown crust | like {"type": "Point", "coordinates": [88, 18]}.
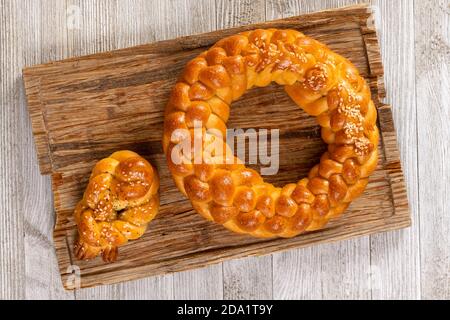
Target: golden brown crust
{"type": "Point", "coordinates": [120, 200]}
{"type": "Point", "coordinates": [323, 83]}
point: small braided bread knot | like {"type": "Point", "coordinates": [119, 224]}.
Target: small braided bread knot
{"type": "Point", "coordinates": [324, 84]}
{"type": "Point", "coordinates": [120, 200]}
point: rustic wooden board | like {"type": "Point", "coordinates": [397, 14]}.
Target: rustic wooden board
{"type": "Point", "coordinates": [82, 109]}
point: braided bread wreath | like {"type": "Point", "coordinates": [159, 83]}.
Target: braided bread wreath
{"type": "Point", "coordinates": [120, 200]}
{"type": "Point", "coordinates": [323, 83]}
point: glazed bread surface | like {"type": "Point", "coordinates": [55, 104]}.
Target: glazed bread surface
{"type": "Point", "coordinates": [323, 83]}
{"type": "Point", "coordinates": [120, 200]}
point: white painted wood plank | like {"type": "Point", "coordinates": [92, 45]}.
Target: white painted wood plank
{"type": "Point", "coordinates": [28, 253]}
{"type": "Point", "coordinates": [202, 284]}
{"type": "Point", "coordinates": [153, 288]}
{"type": "Point", "coordinates": [310, 273]}
{"type": "Point", "coordinates": [12, 282]}
{"type": "Point", "coordinates": [248, 278]}
{"type": "Point", "coordinates": [45, 43]}
{"type": "Point", "coordinates": [395, 256]}
{"type": "Point", "coordinates": [91, 26]}
{"type": "Point", "coordinates": [137, 22]}
{"type": "Point", "coordinates": [239, 12]}
{"type": "Point", "coordinates": [331, 271]}
{"type": "Point", "coordinates": [432, 19]}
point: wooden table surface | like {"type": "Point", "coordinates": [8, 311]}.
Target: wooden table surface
{"type": "Point", "coordinates": [408, 264]}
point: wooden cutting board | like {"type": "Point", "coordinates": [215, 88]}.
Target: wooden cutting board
{"type": "Point", "coordinates": [83, 109]}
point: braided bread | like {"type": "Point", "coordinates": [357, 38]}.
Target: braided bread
{"type": "Point", "coordinates": [120, 200]}
{"type": "Point", "coordinates": [323, 83]}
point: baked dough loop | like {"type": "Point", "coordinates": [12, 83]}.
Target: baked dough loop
{"type": "Point", "coordinates": [120, 200]}
{"type": "Point", "coordinates": [323, 83]}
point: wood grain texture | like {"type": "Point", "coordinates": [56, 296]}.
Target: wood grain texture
{"type": "Point", "coordinates": [12, 260]}
{"type": "Point", "coordinates": [395, 263]}
{"type": "Point", "coordinates": [433, 96]}
{"type": "Point", "coordinates": [36, 31]}
{"type": "Point", "coordinates": [41, 272]}
{"type": "Point", "coordinates": [129, 93]}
